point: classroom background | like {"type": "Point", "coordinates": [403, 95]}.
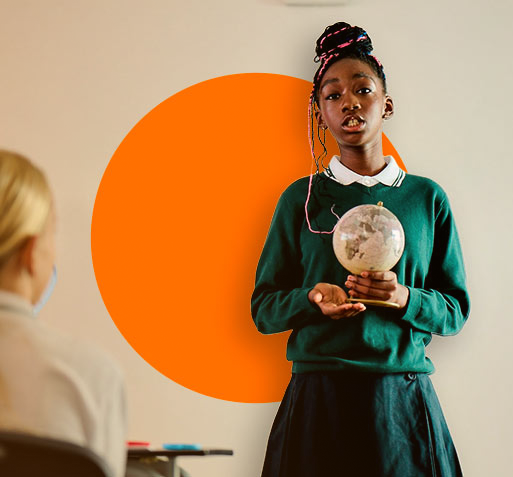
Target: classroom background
{"type": "Point", "coordinates": [77, 76]}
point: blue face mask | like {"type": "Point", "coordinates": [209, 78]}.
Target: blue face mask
{"type": "Point", "coordinates": [47, 293]}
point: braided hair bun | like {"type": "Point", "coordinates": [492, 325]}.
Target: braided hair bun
{"type": "Point", "coordinates": [341, 33]}
{"type": "Point", "coordinates": [343, 40]}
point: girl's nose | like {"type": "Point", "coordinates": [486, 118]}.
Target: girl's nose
{"type": "Point", "coordinates": [350, 103]}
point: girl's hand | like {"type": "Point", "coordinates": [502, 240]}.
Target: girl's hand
{"type": "Point", "coordinates": [378, 286]}
{"type": "Point", "coordinates": [331, 300]}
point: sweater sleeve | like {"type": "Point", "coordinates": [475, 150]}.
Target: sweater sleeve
{"type": "Point", "coordinates": [444, 305]}
{"type": "Point", "coordinates": [280, 301]}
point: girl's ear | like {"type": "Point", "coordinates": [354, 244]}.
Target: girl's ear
{"type": "Point", "coordinates": [26, 254]}
{"type": "Point", "coordinates": [388, 108]}
{"type": "Point", "coordinates": [320, 120]}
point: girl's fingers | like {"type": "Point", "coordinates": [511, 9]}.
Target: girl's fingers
{"type": "Point", "coordinates": [381, 276]}
{"type": "Point", "coordinates": [372, 283]}
{"type": "Point", "coordinates": [327, 293]}
{"type": "Point", "coordinates": [364, 291]}
{"type": "Point", "coordinates": [361, 296]}
{"type": "Point", "coordinates": [350, 314]}
{"type": "Point", "coordinates": [331, 300]}
{"type": "Point", "coordinates": [341, 311]}
{"type": "Point", "coordinates": [317, 297]}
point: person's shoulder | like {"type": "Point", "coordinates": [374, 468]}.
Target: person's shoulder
{"type": "Point", "coordinates": [299, 186]}
{"type": "Point", "coordinates": [424, 185]}
{"type": "Point", "coordinates": [77, 357]}
{"type": "Point", "coordinates": [298, 190]}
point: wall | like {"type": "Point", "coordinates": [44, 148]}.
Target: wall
{"type": "Point", "coordinates": [76, 76]}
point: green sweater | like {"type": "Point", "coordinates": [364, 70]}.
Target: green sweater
{"type": "Point", "coordinates": [380, 340]}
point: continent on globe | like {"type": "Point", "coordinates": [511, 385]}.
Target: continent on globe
{"type": "Point", "coordinates": [368, 237]}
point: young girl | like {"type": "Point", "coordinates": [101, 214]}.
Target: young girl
{"type": "Point", "coordinates": [360, 402]}
{"type": "Point", "coordinates": [51, 385]}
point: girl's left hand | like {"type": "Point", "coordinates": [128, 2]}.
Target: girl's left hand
{"type": "Point", "coordinates": [378, 286]}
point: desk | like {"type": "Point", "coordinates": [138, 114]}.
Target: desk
{"type": "Point", "coordinates": [165, 461]}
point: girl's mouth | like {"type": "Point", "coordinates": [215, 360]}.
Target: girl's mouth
{"type": "Point", "coordinates": [353, 124]}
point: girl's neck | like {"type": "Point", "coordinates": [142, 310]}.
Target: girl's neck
{"type": "Point", "coordinates": [15, 280]}
{"type": "Point", "coordinates": [366, 162]}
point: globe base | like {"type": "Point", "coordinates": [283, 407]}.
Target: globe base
{"type": "Point", "coordinates": [385, 304]}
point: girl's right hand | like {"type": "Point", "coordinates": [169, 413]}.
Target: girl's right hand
{"type": "Point", "coordinates": [331, 300]}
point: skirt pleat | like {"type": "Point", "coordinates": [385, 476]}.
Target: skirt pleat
{"type": "Point", "coordinates": [360, 425]}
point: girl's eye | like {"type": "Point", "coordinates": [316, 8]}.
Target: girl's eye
{"type": "Point", "coordinates": [364, 90]}
{"type": "Point", "coordinates": [333, 96]}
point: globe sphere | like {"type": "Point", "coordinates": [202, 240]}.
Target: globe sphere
{"type": "Point", "coordinates": [368, 237]}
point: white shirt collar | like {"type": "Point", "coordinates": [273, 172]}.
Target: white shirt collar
{"type": "Point", "coordinates": [11, 302]}
{"type": "Point", "coordinates": [391, 175]}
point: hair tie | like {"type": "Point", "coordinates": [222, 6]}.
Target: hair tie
{"type": "Point", "coordinates": [377, 61]}
{"type": "Point", "coordinates": [333, 33]}
{"type": "Point", "coordinates": [339, 47]}
{"type": "Point", "coordinates": [379, 64]}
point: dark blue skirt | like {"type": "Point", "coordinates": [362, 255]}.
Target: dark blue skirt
{"type": "Point", "coordinates": [360, 425]}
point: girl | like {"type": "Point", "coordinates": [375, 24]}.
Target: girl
{"type": "Point", "coordinates": [360, 402]}
{"type": "Point", "coordinates": [50, 384]}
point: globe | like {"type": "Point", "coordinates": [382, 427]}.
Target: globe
{"type": "Point", "coordinates": [368, 237]}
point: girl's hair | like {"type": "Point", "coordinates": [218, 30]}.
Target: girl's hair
{"type": "Point", "coordinates": [25, 202]}
{"type": "Point", "coordinates": [339, 41]}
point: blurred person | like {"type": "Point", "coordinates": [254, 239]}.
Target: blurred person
{"type": "Point", "coordinates": [51, 385]}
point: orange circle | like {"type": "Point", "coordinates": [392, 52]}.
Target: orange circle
{"type": "Point", "coordinates": [179, 221]}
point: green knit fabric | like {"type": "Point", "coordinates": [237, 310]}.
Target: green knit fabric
{"type": "Point", "coordinates": [379, 339]}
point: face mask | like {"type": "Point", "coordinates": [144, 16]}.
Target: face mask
{"type": "Point", "coordinates": [47, 293]}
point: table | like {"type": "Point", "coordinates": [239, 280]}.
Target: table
{"type": "Point", "coordinates": [165, 461]}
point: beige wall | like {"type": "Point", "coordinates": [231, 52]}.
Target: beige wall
{"type": "Point", "coordinates": [75, 76]}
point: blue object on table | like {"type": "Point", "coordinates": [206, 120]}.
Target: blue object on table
{"type": "Point", "coordinates": [181, 446]}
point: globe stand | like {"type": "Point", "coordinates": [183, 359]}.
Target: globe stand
{"type": "Point", "coordinates": [368, 237]}
{"type": "Point", "coordinates": [385, 304]}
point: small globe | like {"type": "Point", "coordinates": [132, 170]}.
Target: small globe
{"type": "Point", "coordinates": [368, 237]}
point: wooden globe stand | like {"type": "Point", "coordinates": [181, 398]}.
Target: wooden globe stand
{"type": "Point", "coordinates": [345, 228]}
{"type": "Point", "coordinates": [385, 304]}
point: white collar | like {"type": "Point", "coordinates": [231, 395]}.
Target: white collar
{"type": "Point", "coordinates": [392, 175]}
{"type": "Point", "coordinates": [11, 302]}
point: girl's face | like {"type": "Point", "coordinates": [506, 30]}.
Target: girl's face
{"type": "Point", "coordinates": [353, 104]}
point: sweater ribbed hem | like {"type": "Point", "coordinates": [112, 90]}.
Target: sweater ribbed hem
{"type": "Point", "coordinates": [358, 367]}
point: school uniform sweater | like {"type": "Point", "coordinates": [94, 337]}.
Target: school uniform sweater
{"type": "Point", "coordinates": [379, 340]}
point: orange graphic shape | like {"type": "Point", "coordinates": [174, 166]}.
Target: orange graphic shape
{"type": "Point", "coordinates": [179, 221]}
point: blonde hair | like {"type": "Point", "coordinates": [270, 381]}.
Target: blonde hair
{"type": "Point", "coordinates": [25, 202]}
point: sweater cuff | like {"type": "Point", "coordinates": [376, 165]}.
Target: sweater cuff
{"type": "Point", "coordinates": [312, 306]}
{"type": "Point", "coordinates": [413, 306]}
